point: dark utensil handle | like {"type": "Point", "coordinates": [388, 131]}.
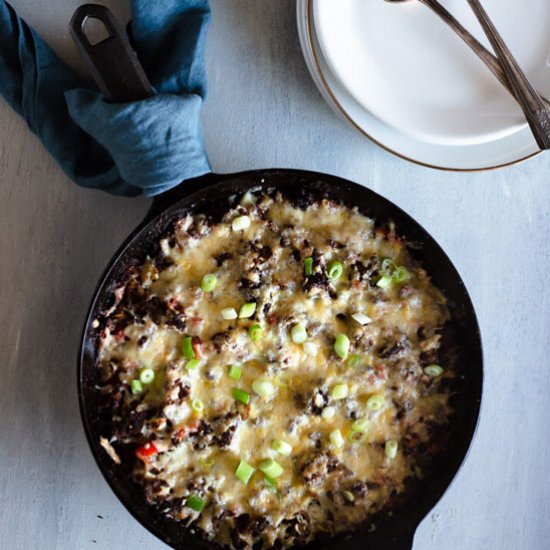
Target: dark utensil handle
{"type": "Point", "coordinates": [113, 64]}
{"type": "Point", "coordinates": [528, 98]}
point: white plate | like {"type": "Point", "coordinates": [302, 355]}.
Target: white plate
{"type": "Point", "coordinates": [401, 63]}
{"type": "Point", "coordinates": [433, 131]}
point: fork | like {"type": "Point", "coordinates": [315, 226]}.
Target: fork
{"type": "Point", "coordinates": [533, 105]}
{"type": "Point", "coordinates": [535, 111]}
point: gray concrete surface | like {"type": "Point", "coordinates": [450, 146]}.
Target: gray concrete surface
{"type": "Point", "coordinates": [263, 111]}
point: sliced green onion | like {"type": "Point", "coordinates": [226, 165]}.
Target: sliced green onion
{"type": "Point", "coordinates": [146, 376]}
{"type": "Point", "coordinates": [207, 463]}
{"type": "Point", "coordinates": [234, 372]}
{"type": "Point", "coordinates": [353, 361]}
{"type": "Point", "coordinates": [271, 483]}
{"type": "Point", "coordinates": [195, 503]}
{"type": "Point", "coordinates": [356, 436]}
{"type": "Point", "coordinates": [400, 275]}
{"type": "Point", "coordinates": [310, 349]}
{"type": "Point", "coordinates": [271, 468]}
{"type": "Point", "coordinates": [247, 310]}
{"type": "Point", "coordinates": [255, 332]}
{"type": "Point", "coordinates": [298, 333]}
{"type": "Point", "coordinates": [384, 282]}
{"type": "Point", "coordinates": [197, 405]}
{"type": "Point", "coordinates": [375, 402]}
{"type": "Point", "coordinates": [433, 370]}
{"type": "Point", "coordinates": [388, 266]}
{"type": "Point", "coordinates": [391, 448]}
{"type": "Point", "coordinates": [340, 391]}
{"type": "Point", "coordinates": [335, 270]}
{"type": "Point", "coordinates": [193, 363]}
{"type": "Point", "coordinates": [361, 318]}
{"type": "Point", "coordinates": [209, 282]}
{"type": "Point", "coordinates": [263, 387]}
{"type": "Point", "coordinates": [281, 447]}
{"type": "Point", "coordinates": [336, 439]}
{"type": "Point", "coordinates": [241, 395]}
{"type": "Point", "coordinates": [308, 266]}
{"type": "Point", "coordinates": [348, 495]}
{"type": "Point", "coordinates": [360, 425]}
{"type": "Point", "coordinates": [136, 387]}
{"type": "Point", "coordinates": [187, 348]}
{"type": "Point", "coordinates": [282, 381]}
{"type": "Point", "coordinates": [229, 313]}
{"type": "Point", "coordinates": [240, 223]}
{"type": "Point", "coordinates": [358, 433]}
{"type": "Point", "coordinates": [244, 472]}
{"type": "Point", "coordinates": [328, 413]}
{"type": "Point", "coordinates": [341, 346]}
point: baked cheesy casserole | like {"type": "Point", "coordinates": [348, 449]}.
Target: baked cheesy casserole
{"type": "Point", "coordinates": [274, 376]}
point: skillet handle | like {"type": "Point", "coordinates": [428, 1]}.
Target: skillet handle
{"type": "Point", "coordinates": [113, 63]}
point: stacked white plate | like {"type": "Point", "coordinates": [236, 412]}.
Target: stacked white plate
{"type": "Point", "coordinates": [404, 79]}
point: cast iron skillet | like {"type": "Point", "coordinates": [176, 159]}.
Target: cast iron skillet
{"type": "Point", "coordinates": [120, 77]}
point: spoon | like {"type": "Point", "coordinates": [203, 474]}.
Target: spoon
{"type": "Point", "coordinates": [532, 104]}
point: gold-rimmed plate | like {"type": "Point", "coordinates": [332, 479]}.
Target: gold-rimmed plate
{"type": "Point", "coordinates": [450, 140]}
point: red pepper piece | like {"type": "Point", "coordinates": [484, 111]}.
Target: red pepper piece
{"type": "Point", "coordinates": [147, 451]}
{"type": "Point", "coordinates": [381, 372]}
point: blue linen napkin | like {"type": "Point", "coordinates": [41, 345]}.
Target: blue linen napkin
{"type": "Point", "coordinates": [146, 146]}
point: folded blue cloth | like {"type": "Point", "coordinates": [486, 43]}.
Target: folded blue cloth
{"type": "Point", "coordinates": [127, 149]}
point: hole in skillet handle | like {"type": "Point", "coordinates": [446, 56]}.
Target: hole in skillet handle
{"type": "Point", "coordinates": [112, 62]}
{"type": "Point", "coordinates": [95, 31]}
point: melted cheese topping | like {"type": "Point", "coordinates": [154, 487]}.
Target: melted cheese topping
{"type": "Point", "coordinates": [322, 488]}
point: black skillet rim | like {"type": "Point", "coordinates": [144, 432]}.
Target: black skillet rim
{"type": "Point", "coordinates": [147, 515]}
